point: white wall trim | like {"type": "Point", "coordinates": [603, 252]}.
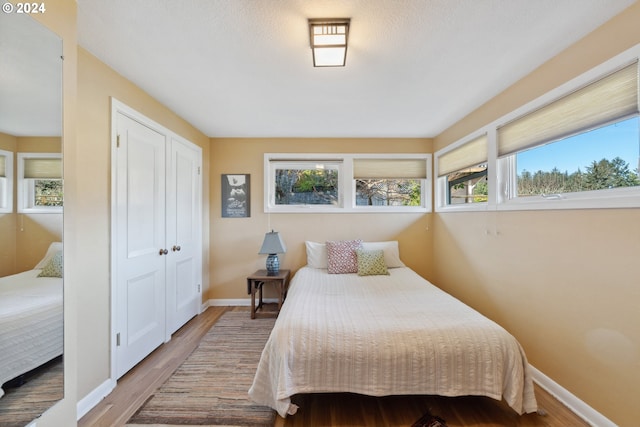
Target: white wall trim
{"type": "Point", "coordinates": [571, 401]}
{"type": "Point", "coordinates": [94, 397]}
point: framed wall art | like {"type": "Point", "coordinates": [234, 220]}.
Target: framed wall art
{"type": "Point", "coordinates": [236, 195]}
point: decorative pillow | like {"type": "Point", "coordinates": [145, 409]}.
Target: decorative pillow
{"type": "Point", "coordinates": [53, 268]}
{"type": "Point", "coordinates": [51, 251]}
{"type": "Point", "coordinates": [390, 249]}
{"type": "Point", "coordinates": [316, 254]}
{"type": "Point", "coordinates": [371, 263]}
{"type": "Point", "coordinates": [341, 256]}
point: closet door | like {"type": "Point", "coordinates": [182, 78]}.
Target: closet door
{"type": "Point", "coordinates": [184, 213]}
{"type": "Point", "coordinates": [140, 242]}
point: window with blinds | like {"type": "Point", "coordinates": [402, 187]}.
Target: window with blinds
{"type": "Point", "coordinates": [464, 172]}
{"type": "Point", "coordinates": [347, 182]}
{"type": "Point", "coordinates": [40, 186]}
{"type": "Point", "coordinates": [604, 101]}
{"type": "Point", "coordinates": [585, 141]}
{"type": "Point", "coordinates": [42, 168]}
{"type": "Point", "coordinates": [577, 146]}
{"type": "Point", "coordinates": [389, 182]}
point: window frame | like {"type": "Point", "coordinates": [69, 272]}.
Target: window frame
{"type": "Point", "coordinates": [502, 171]}
{"type": "Point", "coordinates": [6, 183]}
{"type": "Point", "coordinates": [346, 183]}
{"type": "Point", "coordinates": [26, 186]}
{"type": "Point", "coordinates": [298, 162]}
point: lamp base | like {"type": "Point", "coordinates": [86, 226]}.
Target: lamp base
{"type": "Point", "coordinates": [273, 264]}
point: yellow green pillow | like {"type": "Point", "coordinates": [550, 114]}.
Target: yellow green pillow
{"type": "Point", "coordinates": [371, 263]}
{"type": "Point", "coordinates": [53, 268]}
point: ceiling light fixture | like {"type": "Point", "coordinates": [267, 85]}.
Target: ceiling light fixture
{"type": "Point", "coordinates": [328, 39]}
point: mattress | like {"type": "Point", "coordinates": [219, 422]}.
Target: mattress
{"type": "Point", "coordinates": [31, 322]}
{"type": "Point", "coordinates": [386, 335]}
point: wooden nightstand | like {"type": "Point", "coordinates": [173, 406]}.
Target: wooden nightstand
{"type": "Point", "coordinates": [256, 281]}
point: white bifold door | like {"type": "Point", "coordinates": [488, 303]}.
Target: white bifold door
{"type": "Point", "coordinates": [157, 237]}
{"type": "Point", "coordinates": [184, 230]}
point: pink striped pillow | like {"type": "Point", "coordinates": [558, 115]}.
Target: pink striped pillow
{"type": "Point", "coordinates": [341, 256]}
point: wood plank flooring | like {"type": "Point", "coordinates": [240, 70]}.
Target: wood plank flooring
{"type": "Point", "coordinates": [340, 409]}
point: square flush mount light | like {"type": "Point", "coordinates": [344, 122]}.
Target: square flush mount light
{"type": "Point", "coordinates": [328, 38]}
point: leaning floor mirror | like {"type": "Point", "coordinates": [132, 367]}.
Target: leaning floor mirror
{"type": "Point", "coordinates": [31, 212]}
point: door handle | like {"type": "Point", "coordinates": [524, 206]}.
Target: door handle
{"type": "Point", "coordinates": [163, 251]}
{"type": "Point", "coordinates": [175, 248]}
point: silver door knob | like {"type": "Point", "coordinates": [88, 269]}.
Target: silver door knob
{"type": "Point", "coordinates": [163, 251]}
{"type": "Point", "coordinates": [175, 248]}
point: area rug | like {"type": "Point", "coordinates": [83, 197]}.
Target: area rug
{"type": "Point", "coordinates": [210, 387]}
{"type": "Point", "coordinates": [32, 394]}
{"type": "Point", "coordinates": [428, 420]}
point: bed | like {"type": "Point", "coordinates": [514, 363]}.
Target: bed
{"type": "Point", "coordinates": [31, 317]}
{"type": "Point", "coordinates": [385, 334]}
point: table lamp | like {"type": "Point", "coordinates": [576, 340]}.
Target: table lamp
{"type": "Point", "coordinates": [272, 245]}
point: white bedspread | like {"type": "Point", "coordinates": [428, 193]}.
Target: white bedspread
{"type": "Point", "coordinates": [31, 322]}
{"type": "Point", "coordinates": [386, 335]}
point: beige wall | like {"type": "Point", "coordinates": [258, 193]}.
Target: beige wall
{"type": "Point", "coordinates": [565, 283]}
{"type": "Point", "coordinates": [97, 83]}
{"type": "Point", "coordinates": [235, 241]}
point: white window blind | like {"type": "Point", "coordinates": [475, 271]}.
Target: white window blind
{"type": "Point", "coordinates": [603, 101]}
{"type": "Point", "coordinates": [42, 168]}
{"type": "Point", "coordinates": [470, 154]}
{"type": "Point", "coordinates": [389, 169]}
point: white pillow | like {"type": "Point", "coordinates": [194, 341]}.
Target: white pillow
{"type": "Point", "coordinates": [54, 248]}
{"type": "Point", "coordinates": [316, 254]}
{"type": "Point", "coordinates": [390, 250]}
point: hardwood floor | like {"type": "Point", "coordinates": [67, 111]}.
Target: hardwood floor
{"type": "Point", "coordinates": [342, 409]}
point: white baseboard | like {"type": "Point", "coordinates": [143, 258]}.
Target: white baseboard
{"type": "Point", "coordinates": [577, 406]}
{"type": "Point", "coordinates": [94, 397]}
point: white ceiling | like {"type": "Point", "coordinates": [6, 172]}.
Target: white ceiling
{"type": "Point", "coordinates": [243, 68]}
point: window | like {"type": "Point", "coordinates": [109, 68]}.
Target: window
{"type": "Point", "coordinates": [347, 183]}
{"type": "Point", "coordinates": [6, 181]}
{"type": "Point", "coordinates": [40, 187]}
{"type": "Point", "coordinates": [584, 142]}
{"type": "Point", "coordinates": [389, 182]}
{"type": "Point", "coordinates": [462, 173]}
{"type": "Point", "coordinates": [577, 146]}
{"type": "Point", "coordinates": [601, 159]}
{"type": "Point", "coordinates": [307, 183]}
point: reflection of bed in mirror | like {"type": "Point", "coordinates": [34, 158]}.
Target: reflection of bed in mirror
{"type": "Point", "coordinates": [31, 319]}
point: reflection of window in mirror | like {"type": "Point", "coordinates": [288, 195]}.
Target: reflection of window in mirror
{"type": "Point", "coordinates": [40, 183]}
{"type": "Point", "coordinates": [6, 181]}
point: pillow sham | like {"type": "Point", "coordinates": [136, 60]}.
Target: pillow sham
{"type": "Point", "coordinates": [341, 256]}
{"type": "Point", "coordinates": [54, 267]}
{"type": "Point", "coordinates": [371, 263]}
{"type": "Point", "coordinates": [316, 254]}
{"type": "Point", "coordinates": [390, 249]}
{"type": "Point", "coordinates": [54, 247]}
